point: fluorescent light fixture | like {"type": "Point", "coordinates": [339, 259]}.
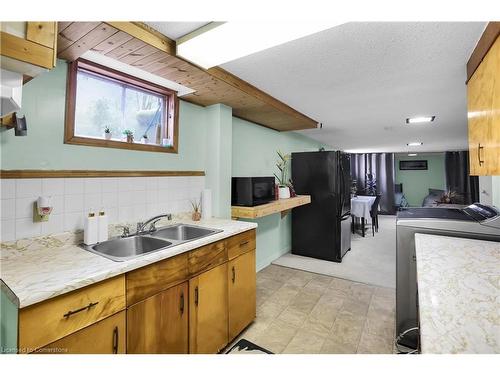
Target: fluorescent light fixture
{"type": "Point", "coordinates": [220, 42]}
{"type": "Point", "coordinates": [411, 144]}
{"type": "Point", "coordinates": [412, 154]}
{"type": "Point", "coordinates": [101, 59]}
{"type": "Point", "coordinates": [420, 120]}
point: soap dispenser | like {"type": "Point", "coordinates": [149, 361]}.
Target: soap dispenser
{"type": "Point", "coordinates": [102, 222]}
{"type": "Point", "coordinates": [90, 230]}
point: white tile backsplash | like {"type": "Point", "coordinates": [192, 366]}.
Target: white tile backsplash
{"type": "Point", "coordinates": [92, 186]}
{"type": "Point", "coordinates": [29, 187]}
{"type": "Point", "coordinates": [74, 186]}
{"type": "Point", "coordinates": [109, 185]}
{"type": "Point", "coordinates": [7, 230]}
{"type": "Point", "coordinates": [73, 203]}
{"type": "Point", "coordinates": [7, 188]}
{"type": "Point", "coordinates": [52, 186]}
{"type": "Point", "coordinates": [27, 228]}
{"type": "Point", "coordinates": [8, 209]}
{"type": "Point", "coordinates": [125, 199]}
{"type": "Point", "coordinates": [24, 207]}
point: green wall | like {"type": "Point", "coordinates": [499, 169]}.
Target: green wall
{"type": "Point", "coordinates": [44, 106]}
{"type": "Point", "coordinates": [416, 184]}
{"type": "Point", "coordinates": [8, 322]}
{"type": "Point", "coordinates": [210, 139]}
{"type": "Point", "coordinates": [254, 154]}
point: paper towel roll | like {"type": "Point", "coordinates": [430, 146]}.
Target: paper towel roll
{"type": "Point", "coordinates": [206, 203]}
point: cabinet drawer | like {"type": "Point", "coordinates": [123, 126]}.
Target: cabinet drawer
{"type": "Point", "coordinates": [104, 337]}
{"type": "Point", "coordinates": [147, 281]}
{"type": "Point", "coordinates": [207, 257]}
{"type": "Point", "coordinates": [63, 315]}
{"type": "Point", "coordinates": [240, 244]}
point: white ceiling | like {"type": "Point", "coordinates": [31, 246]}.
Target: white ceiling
{"type": "Point", "coordinates": [362, 80]}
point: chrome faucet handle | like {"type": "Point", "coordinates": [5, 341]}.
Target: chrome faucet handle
{"type": "Point", "coordinates": [126, 230]}
{"type": "Point", "coordinates": [152, 226]}
{"type": "Point", "coordinates": [140, 227]}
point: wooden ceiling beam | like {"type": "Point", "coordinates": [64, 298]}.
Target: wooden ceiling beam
{"type": "Point", "coordinates": [146, 34]}
{"type": "Point", "coordinates": [138, 45]}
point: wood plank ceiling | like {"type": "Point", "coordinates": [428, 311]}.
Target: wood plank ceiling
{"type": "Point", "coordinates": [144, 48]}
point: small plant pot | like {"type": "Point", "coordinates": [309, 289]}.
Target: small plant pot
{"type": "Point", "coordinates": [284, 192]}
{"type": "Point", "coordinates": [196, 216]}
{"type": "Point", "coordinates": [130, 139]}
{"type": "Point", "coordinates": [107, 136]}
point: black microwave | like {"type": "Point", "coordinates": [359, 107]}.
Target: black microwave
{"type": "Point", "coordinates": [252, 191]}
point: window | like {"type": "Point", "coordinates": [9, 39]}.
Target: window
{"type": "Point", "coordinates": [107, 108]}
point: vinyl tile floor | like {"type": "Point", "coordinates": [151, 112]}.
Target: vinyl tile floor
{"type": "Point", "coordinates": [301, 312]}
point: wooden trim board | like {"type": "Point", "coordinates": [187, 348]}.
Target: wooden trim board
{"type": "Point", "coordinates": [490, 34]}
{"type": "Point", "coordinates": [280, 205]}
{"type": "Point", "coordinates": [140, 46]}
{"type": "Point", "coordinates": [33, 173]}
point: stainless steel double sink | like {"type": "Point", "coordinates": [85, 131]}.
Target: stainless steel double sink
{"type": "Point", "coordinates": [130, 247]}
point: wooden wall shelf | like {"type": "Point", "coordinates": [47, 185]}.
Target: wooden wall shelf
{"type": "Point", "coordinates": [282, 205]}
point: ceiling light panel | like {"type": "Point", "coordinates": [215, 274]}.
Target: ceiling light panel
{"type": "Point", "coordinates": [420, 120]}
{"type": "Point", "coordinates": [412, 144]}
{"type": "Point", "coordinates": [221, 42]}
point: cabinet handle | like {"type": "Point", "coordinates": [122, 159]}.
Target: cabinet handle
{"type": "Point", "coordinates": [115, 340]}
{"type": "Point", "coordinates": [244, 243]}
{"type": "Point", "coordinates": [182, 303]}
{"type": "Point", "coordinates": [88, 307]}
{"type": "Point", "coordinates": [479, 148]}
{"type": "Point", "coordinates": [234, 274]}
{"type": "Point", "coordinates": [196, 296]}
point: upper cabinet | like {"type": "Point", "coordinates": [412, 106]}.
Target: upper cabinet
{"type": "Point", "coordinates": [483, 104]}
{"type": "Point", "coordinates": [28, 48]}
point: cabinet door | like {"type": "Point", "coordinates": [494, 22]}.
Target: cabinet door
{"type": "Point", "coordinates": [104, 337]}
{"type": "Point", "coordinates": [174, 323]}
{"type": "Point", "coordinates": [159, 324]}
{"type": "Point", "coordinates": [482, 117]}
{"type": "Point", "coordinates": [208, 311]}
{"type": "Point", "coordinates": [241, 292]}
{"type": "Point", "coordinates": [493, 152]}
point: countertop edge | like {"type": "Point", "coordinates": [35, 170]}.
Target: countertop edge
{"type": "Point", "coordinates": [129, 265]}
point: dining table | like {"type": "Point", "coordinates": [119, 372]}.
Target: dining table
{"type": "Point", "coordinates": [361, 208]}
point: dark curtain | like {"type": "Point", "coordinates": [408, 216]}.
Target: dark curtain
{"type": "Point", "coordinates": [381, 166]}
{"type": "Point", "coordinates": [458, 179]}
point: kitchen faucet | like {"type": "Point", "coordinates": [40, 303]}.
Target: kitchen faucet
{"type": "Point", "coordinates": [142, 225]}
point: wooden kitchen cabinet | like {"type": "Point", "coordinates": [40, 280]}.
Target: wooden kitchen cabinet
{"type": "Point", "coordinates": [241, 293]}
{"type": "Point", "coordinates": [483, 106]}
{"type": "Point", "coordinates": [159, 324]}
{"type": "Point", "coordinates": [208, 311]}
{"type": "Point", "coordinates": [104, 337]}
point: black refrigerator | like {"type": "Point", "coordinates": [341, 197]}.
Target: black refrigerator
{"type": "Point", "coordinates": [322, 229]}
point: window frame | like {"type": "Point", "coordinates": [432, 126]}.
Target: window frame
{"type": "Point", "coordinates": [171, 107]}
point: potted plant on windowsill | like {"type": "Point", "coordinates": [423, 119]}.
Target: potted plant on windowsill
{"type": "Point", "coordinates": [130, 135]}
{"type": "Point", "coordinates": [107, 133]}
{"type": "Point", "coordinates": [282, 165]}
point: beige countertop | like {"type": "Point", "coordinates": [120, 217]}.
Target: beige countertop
{"type": "Point", "coordinates": [458, 294]}
{"type": "Point", "coordinates": [37, 273]}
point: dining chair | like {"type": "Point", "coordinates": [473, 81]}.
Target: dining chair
{"type": "Point", "coordinates": [374, 214]}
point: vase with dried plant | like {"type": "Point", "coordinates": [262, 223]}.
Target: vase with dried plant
{"type": "Point", "coordinates": [283, 181]}
{"type": "Point", "coordinates": [196, 204]}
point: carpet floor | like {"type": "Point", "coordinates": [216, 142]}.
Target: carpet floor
{"type": "Point", "coordinates": [371, 260]}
